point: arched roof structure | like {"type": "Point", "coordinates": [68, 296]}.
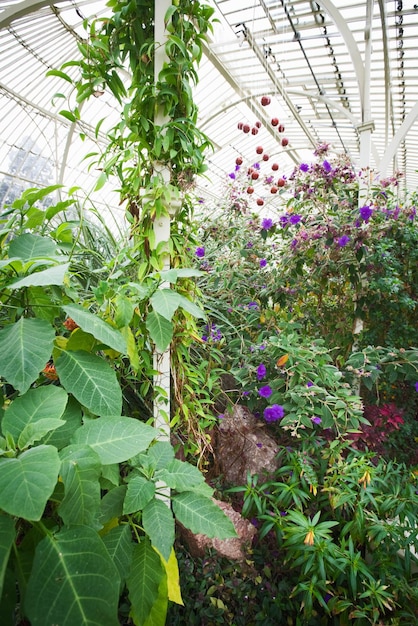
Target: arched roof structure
{"type": "Point", "coordinates": [336, 72]}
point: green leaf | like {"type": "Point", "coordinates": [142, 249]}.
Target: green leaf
{"type": "Point", "coordinates": [191, 307]}
{"type": "Point", "coordinates": [97, 327]}
{"type": "Point", "coordinates": [119, 544]}
{"type": "Point", "coordinates": [202, 515]}
{"type": "Point", "coordinates": [7, 537]}
{"type": "Point", "coordinates": [35, 431]}
{"type": "Point", "coordinates": [165, 302]}
{"type": "Point", "coordinates": [111, 505]}
{"type": "Point", "coordinates": [59, 74]}
{"type": "Point", "coordinates": [46, 402]}
{"type": "Point", "coordinates": [160, 454]}
{"type": "Point", "coordinates": [25, 348]}
{"type": "Point", "coordinates": [160, 330]}
{"type": "Point", "coordinates": [91, 380]}
{"type": "Point", "coordinates": [71, 419]}
{"type": "Point", "coordinates": [144, 580]}
{"type": "Point", "coordinates": [28, 246]}
{"type": "Point", "coordinates": [27, 482]}
{"type": "Point", "coordinates": [140, 491]}
{"type": "Point", "coordinates": [51, 276]}
{"type": "Point", "coordinates": [115, 439]}
{"type": "Point", "coordinates": [181, 475]}
{"type": "Point", "coordinates": [80, 473]}
{"type": "Point", "coordinates": [172, 275]}
{"type": "Point", "coordinates": [73, 581]}
{"type": "Point", "coordinates": [158, 523]}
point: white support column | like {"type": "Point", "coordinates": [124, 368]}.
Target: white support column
{"type": "Point", "coordinates": [162, 233]}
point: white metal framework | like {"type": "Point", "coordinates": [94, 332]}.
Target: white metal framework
{"type": "Point", "coordinates": [336, 72]}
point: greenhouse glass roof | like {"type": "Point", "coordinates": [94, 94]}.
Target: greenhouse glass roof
{"type": "Point", "coordinates": [340, 73]}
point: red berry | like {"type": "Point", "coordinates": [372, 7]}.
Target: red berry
{"type": "Point", "coordinates": [258, 124]}
{"type": "Point", "coordinates": [273, 189]}
{"type": "Point", "coordinates": [260, 201]}
{"type": "Point", "coordinates": [274, 121]}
{"type": "Point", "coordinates": [238, 160]}
{"type": "Point", "coordinates": [281, 182]}
{"type": "Point", "coordinates": [259, 149]}
{"type": "Point", "coordinates": [265, 100]}
{"type": "Point", "coordinates": [240, 125]}
{"type": "Point", "coordinates": [285, 142]}
{"type": "Point", "coordinates": [275, 167]}
{"type": "Point", "coordinates": [254, 175]}
{"type": "Point", "coordinates": [250, 189]}
{"type": "Point", "coordinates": [265, 157]}
{"type": "Point", "coordinates": [254, 131]}
{"type": "Point", "coordinates": [246, 128]}
{"type": "Point", "coordinates": [281, 128]}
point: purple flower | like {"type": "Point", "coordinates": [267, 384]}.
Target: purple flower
{"type": "Point", "coordinates": [343, 241]}
{"type": "Point", "coordinates": [416, 386]}
{"type": "Point", "coordinates": [267, 223]}
{"type": "Point", "coordinates": [221, 416]}
{"type": "Point", "coordinates": [263, 262]}
{"type": "Point", "coordinates": [316, 420]}
{"type": "Point", "coordinates": [309, 383]}
{"type": "Point", "coordinates": [232, 175]}
{"type": "Point", "coordinates": [265, 392]}
{"type": "Point", "coordinates": [304, 167]}
{"type": "Point", "coordinates": [261, 371]}
{"type": "Point", "coordinates": [366, 212]}
{"type": "Point", "coordinates": [253, 305]}
{"type": "Point", "coordinates": [295, 219]}
{"type": "Point", "coordinates": [327, 166]}
{"type": "Point", "coordinates": [259, 445]}
{"type": "Point", "coordinates": [284, 220]}
{"type": "Point", "coordinates": [200, 252]}
{"type": "Point", "coordinates": [273, 413]}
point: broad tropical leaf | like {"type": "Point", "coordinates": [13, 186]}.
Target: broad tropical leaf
{"type": "Point", "coordinates": [52, 276]}
{"type": "Point", "coordinates": [7, 536]}
{"type": "Point", "coordinates": [91, 380]}
{"type": "Point", "coordinates": [160, 330]}
{"type": "Point", "coordinates": [25, 348]}
{"type": "Point", "coordinates": [29, 246]}
{"type": "Point", "coordinates": [73, 581]}
{"type": "Point", "coordinates": [140, 491]}
{"type": "Point", "coordinates": [144, 580]}
{"type": "Point", "coordinates": [158, 523]}
{"type": "Point", "coordinates": [119, 544]}
{"type": "Point", "coordinates": [181, 475]}
{"type": "Point", "coordinates": [80, 473]}
{"type": "Point", "coordinates": [160, 454]}
{"type": "Point", "coordinates": [39, 403]}
{"type": "Point", "coordinates": [28, 481]}
{"type": "Point", "coordinates": [97, 327]}
{"type": "Point", "coordinates": [72, 420]}
{"type": "Point", "coordinates": [165, 302]}
{"type": "Point", "coordinates": [115, 439]}
{"type": "Point", "coordinates": [202, 515]}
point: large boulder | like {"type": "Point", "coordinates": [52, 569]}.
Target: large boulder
{"type": "Point", "coordinates": [243, 445]}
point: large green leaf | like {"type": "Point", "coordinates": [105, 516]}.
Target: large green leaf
{"type": "Point", "coordinates": [140, 491]}
{"type": "Point", "coordinates": [202, 515]}
{"type": "Point", "coordinates": [46, 402]}
{"type": "Point", "coordinates": [91, 380]}
{"type": "Point", "coordinates": [25, 348]}
{"type": "Point", "coordinates": [144, 580]}
{"type": "Point", "coordinates": [160, 330]}
{"type": "Point", "coordinates": [165, 302]}
{"type": "Point", "coordinates": [80, 473]}
{"type": "Point", "coordinates": [73, 581]}
{"type": "Point", "coordinates": [7, 537]}
{"type": "Point", "coordinates": [181, 475]}
{"type": "Point", "coordinates": [158, 523]}
{"type": "Point", "coordinates": [115, 439]}
{"type": "Point", "coordinates": [72, 420]}
{"type": "Point", "coordinates": [119, 544]}
{"type": "Point", "coordinates": [160, 454]}
{"type": "Point", "coordinates": [52, 276]}
{"type": "Point", "coordinates": [28, 481]}
{"type": "Point", "coordinates": [191, 307]}
{"type": "Point", "coordinates": [97, 327]}
{"type": "Point", "coordinates": [30, 246]}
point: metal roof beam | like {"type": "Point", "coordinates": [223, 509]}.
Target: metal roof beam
{"type": "Point", "coordinates": [20, 10]}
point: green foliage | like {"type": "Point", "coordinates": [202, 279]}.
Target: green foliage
{"type": "Point", "coordinates": [85, 526]}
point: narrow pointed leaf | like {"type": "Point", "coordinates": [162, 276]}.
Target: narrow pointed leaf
{"type": "Point", "coordinates": [80, 473]}
{"type": "Point", "coordinates": [27, 482]}
{"type": "Point", "coordinates": [7, 537]}
{"type": "Point", "coordinates": [73, 581]}
{"type": "Point", "coordinates": [202, 515]}
{"type": "Point", "coordinates": [91, 380]}
{"type": "Point", "coordinates": [115, 439]}
{"type": "Point", "coordinates": [36, 404]}
{"type": "Point", "coordinates": [25, 348]}
{"type": "Point", "coordinates": [144, 580]}
{"type": "Point", "coordinates": [158, 523]}
{"type": "Point", "coordinates": [97, 327]}
{"type": "Point", "coordinates": [160, 330]}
